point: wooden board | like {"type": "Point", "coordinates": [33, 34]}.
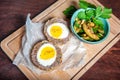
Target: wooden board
{"type": "Point", "coordinates": [12, 43]}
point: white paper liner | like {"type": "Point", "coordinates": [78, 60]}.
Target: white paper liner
{"type": "Point", "coordinates": [73, 51]}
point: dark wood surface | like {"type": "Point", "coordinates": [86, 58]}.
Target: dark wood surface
{"type": "Point", "coordinates": [12, 16]}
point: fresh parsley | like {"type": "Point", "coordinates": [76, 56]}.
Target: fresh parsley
{"type": "Point", "coordinates": [98, 22]}
{"type": "Point", "coordinates": [90, 13]}
{"type": "Point", "coordinates": [106, 13]}
{"type": "Point", "coordinates": [83, 4]}
{"type": "Point", "coordinates": [82, 15]}
{"type": "Point", "coordinates": [93, 14]}
{"type": "Point", "coordinates": [69, 11]}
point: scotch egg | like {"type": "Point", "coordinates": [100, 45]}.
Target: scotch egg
{"type": "Point", "coordinates": [57, 31]}
{"type": "Point", "coordinates": [46, 56]}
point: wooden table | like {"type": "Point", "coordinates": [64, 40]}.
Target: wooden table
{"type": "Point", "coordinates": [12, 16]}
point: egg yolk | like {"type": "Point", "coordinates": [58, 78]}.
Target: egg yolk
{"type": "Point", "coordinates": [56, 31]}
{"type": "Point", "coordinates": [47, 53]}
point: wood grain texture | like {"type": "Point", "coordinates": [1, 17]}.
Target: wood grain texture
{"type": "Point", "coordinates": [14, 15]}
{"type": "Point", "coordinates": [108, 67]}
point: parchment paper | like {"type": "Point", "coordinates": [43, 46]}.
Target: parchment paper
{"type": "Point", "coordinates": [73, 51]}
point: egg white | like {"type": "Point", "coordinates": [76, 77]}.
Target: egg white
{"type": "Point", "coordinates": [65, 30]}
{"type": "Point", "coordinates": [46, 62]}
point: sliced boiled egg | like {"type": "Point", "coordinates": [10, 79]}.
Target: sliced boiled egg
{"type": "Point", "coordinates": [46, 54]}
{"type": "Point", "coordinates": [58, 30]}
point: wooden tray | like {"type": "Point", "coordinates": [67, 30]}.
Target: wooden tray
{"type": "Point", "coordinates": [12, 43]}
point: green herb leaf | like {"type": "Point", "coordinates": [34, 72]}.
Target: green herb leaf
{"type": "Point", "coordinates": [90, 13]}
{"type": "Point", "coordinates": [95, 29]}
{"type": "Point", "coordinates": [84, 4]}
{"type": "Point", "coordinates": [106, 13]}
{"type": "Point", "coordinates": [106, 10]}
{"type": "Point", "coordinates": [98, 11]}
{"type": "Point", "coordinates": [69, 11]}
{"type": "Point", "coordinates": [82, 15]}
{"type": "Point", "coordinates": [76, 24]}
{"type": "Point", "coordinates": [98, 22]}
{"type": "Point", "coordinates": [106, 16]}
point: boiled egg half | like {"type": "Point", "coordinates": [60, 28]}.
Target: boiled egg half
{"type": "Point", "coordinates": [58, 30]}
{"type": "Point", "coordinates": [46, 54]}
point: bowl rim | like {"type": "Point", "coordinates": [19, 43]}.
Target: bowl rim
{"type": "Point", "coordinates": [80, 38]}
